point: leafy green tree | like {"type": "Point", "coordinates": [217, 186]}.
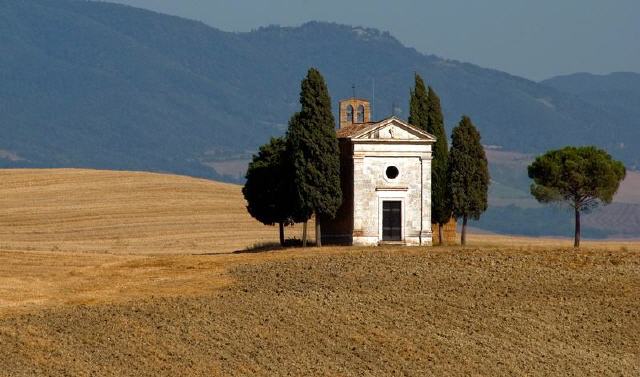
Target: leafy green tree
{"type": "Point", "coordinates": [314, 154]}
{"type": "Point", "coordinates": [267, 189]}
{"type": "Point", "coordinates": [440, 188]}
{"type": "Point", "coordinates": [468, 174]}
{"type": "Point", "coordinates": [419, 104]}
{"type": "Point", "coordinates": [583, 177]}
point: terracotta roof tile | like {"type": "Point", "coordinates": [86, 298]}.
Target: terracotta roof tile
{"type": "Point", "coordinates": [352, 129]}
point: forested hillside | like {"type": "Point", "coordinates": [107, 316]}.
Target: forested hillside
{"type": "Point", "coordinates": [617, 94]}
{"type": "Point", "coordinates": [100, 85]}
{"type": "Point", "coordinates": [94, 84]}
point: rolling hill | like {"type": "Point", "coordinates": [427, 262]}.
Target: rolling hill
{"type": "Point", "coordinates": [139, 213]}
{"type": "Point", "coordinates": [617, 94]}
{"type": "Point", "coordinates": [75, 210]}
{"type": "Point", "coordinates": [94, 84]}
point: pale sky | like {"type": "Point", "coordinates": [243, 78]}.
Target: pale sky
{"type": "Point", "coordinates": [535, 39]}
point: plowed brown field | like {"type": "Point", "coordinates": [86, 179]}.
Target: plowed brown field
{"type": "Point", "coordinates": [130, 274]}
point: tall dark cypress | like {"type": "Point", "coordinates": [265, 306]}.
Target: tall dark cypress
{"type": "Point", "coordinates": [314, 155]}
{"type": "Point", "coordinates": [440, 189]}
{"type": "Point", "coordinates": [419, 104]}
{"type": "Point", "coordinates": [469, 174]}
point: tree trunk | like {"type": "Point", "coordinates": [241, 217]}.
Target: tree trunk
{"type": "Point", "coordinates": [318, 234]}
{"type": "Point", "coordinates": [463, 239]}
{"type": "Point", "coordinates": [440, 233]}
{"type": "Point", "coordinates": [304, 234]}
{"type": "Point", "coordinates": [576, 242]}
{"type": "Point", "coordinates": [281, 226]}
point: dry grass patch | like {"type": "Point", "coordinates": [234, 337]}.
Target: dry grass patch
{"type": "Point", "coordinates": [32, 281]}
{"type": "Point", "coordinates": [546, 243]}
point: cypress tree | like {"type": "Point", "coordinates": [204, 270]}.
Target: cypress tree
{"type": "Point", "coordinates": [314, 155]}
{"type": "Point", "coordinates": [440, 189]}
{"type": "Point", "coordinates": [419, 104]}
{"type": "Point", "coordinates": [469, 174]}
{"type": "Point", "coordinates": [425, 112]}
{"type": "Point", "coordinates": [266, 188]}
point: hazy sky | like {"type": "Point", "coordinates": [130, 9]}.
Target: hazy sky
{"type": "Point", "coordinates": [534, 38]}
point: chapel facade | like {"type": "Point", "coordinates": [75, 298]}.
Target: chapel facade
{"type": "Point", "coordinates": [385, 171]}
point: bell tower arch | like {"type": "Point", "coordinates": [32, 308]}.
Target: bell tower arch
{"type": "Point", "coordinates": [354, 111]}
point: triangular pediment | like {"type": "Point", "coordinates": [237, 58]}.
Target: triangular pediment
{"type": "Point", "coordinates": [393, 129]}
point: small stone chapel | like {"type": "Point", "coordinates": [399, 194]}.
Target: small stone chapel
{"type": "Point", "coordinates": [385, 170]}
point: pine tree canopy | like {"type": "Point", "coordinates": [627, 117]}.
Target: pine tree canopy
{"type": "Point", "coordinates": [313, 152]}
{"type": "Point", "coordinates": [419, 104]}
{"type": "Point", "coordinates": [468, 171]}
{"type": "Point", "coordinates": [440, 188]}
{"type": "Point", "coordinates": [585, 177]}
{"type": "Point", "coordinates": [266, 190]}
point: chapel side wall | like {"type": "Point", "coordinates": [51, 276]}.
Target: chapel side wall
{"type": "Point", "coordinates": [340, 229]}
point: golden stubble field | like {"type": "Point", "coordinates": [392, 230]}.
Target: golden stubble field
{"type": "Point", "coordinates": [116, 212]}
{"type": "Point", "coordinates": [119, 273]}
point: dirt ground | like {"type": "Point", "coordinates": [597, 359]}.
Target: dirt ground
{"type": "Point", "coordinates": [353, 312]}
{"type": "Point", "coordinates": [107, 273]}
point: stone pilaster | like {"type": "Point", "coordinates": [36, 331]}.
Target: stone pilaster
{"type": "Point", "coordinates": [426, 236]}
{"type": "Point", "coordinates": [359, 185]}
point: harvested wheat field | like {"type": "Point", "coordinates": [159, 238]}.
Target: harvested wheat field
{"type": "Point", "coordinates": [89, 307]}
{"type": "Point", "coordinates": [124, 212]}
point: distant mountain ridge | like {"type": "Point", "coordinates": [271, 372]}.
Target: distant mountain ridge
{"type": "Point", "coordinates": [94, 84]}
{"type": "Point", "coordinates": [587, 84]}
{"type": "Point", "coordinates": [617, 94]}
{"type": "Point", "coordinates": [100, 85]}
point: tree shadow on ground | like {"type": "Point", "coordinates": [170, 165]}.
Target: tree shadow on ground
{"type": "Point", "coordinates": [264, 247]}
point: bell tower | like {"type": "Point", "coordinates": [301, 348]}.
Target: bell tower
{"type": "Point", "coordinates": [354, 111]}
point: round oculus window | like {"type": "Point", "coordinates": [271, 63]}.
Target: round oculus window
{"type": "Point", "coordinates": [392, 172]}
